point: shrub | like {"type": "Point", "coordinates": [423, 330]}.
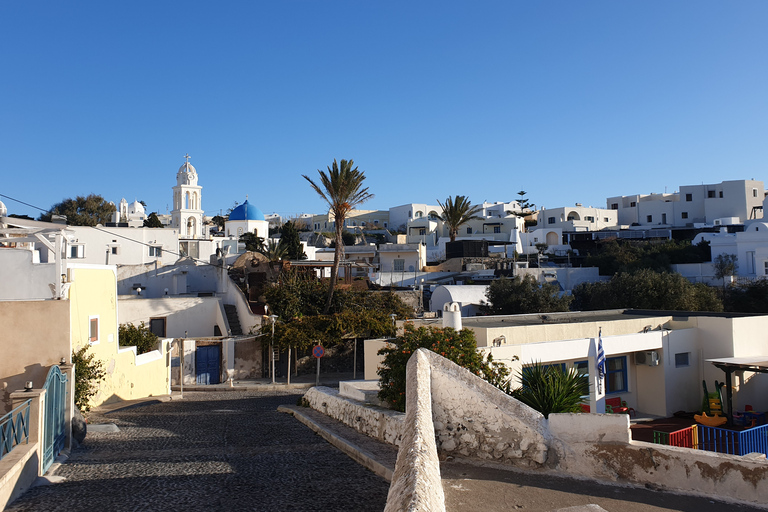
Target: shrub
{"type": "Point", "coordinates": [458, 346]}
{"type": "Point", "coordinates": [140, 337]}
{"type": "Point", "coordinates": [88, 374]}
{"type": "Point", "coordinates": [548, 389]}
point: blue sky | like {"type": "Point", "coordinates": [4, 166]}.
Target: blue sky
{"type": "Point", "coordinates": [569, 101]}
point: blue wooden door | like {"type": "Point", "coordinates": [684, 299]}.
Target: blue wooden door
{"type": "Point", "coordinates": [207, 366]}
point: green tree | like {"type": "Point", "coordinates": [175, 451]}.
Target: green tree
{"type": "Point", "coordinates": [252, 242]}
{"type": "Point", "coordinates": [88, 373]}
{"type": "Point", "coordinates": [725, 266]}
{"type": "Point", "coordinates": [152, 221]}
{"type": "Point", "coordinates": [458, 212]}
{"type": "Point", "coordinates": [457, 346]}
{"type": "Point", "coordinates": [342, 188]}
{"type": "Point", "coordinates": [747, 298]}
{"type": "Point", "coordinates": [219, 221]}
{"type": "Point", "coordinates": [82, 211]}
{"type": "Point", "coordinates": [548, 389]}
{"type": "Point", "coordinates": [524, 295]}
{"type": "Point", "coordinates": [646, 289]}
{"type": "Point", "coordinates": [525, 205]}
{"type": "Point", "coordinates": [140, 337]}
{"type": "Point", "coordinates": [290, 238]}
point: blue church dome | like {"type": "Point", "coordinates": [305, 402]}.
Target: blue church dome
{"type": "Point", "coordinates": [246, 212]}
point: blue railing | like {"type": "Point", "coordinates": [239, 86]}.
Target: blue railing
{"type": "Point", "coordinates": [14, 428]}
{"type": "Point", "coordinates": [722, 440]}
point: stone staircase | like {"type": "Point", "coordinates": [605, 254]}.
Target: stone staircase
{"type": "Point", "coordinates": [232, 319]}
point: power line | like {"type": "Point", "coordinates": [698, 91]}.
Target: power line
{"type": "Point", "coordinates": [124, 237]}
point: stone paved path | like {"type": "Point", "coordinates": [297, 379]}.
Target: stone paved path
{"type": "Point", "coordinates": [210, 451]}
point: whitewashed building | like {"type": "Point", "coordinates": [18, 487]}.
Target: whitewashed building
{"type": "Point", "coordinates": [187, 213]}
{"type": "Point", "coordinates": [737, 201]}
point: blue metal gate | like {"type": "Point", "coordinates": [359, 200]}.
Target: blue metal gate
{"type": "Point", "coordinates": [207, 366]}
{"type": "Point", "coordinates": [54, 422]}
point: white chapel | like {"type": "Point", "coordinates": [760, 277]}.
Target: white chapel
{"type": "Point", "coordinates": [187, 213]}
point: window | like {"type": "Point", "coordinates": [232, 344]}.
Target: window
{"type": "Point", "coordinates": [551, 220]}
{"type": "Point", "coordinates": [582, 367]}
{"type": "Point", "coordinates": [689, 197]}
{"type": "Point", "coordinates": [750, 262]}
{"type": "Point", "coordinates": [497, 229]}
{"type": "Point", "coordinates": [114, 249]}
{"type": "Point", "coordinates": [239, 232]}
{"type": "Point", "coordinates": [710, 193]}
{"type": "Point", "coordinates": [765, 270]}
{"type": "Point", "coordinates": [682, 359]}
{"type": "Point", "coordinates": [632, 204]}
{"type": "Point", "coordinates": [754, 192]}
{"type": "Point", "coordinates": [650, 218]}
{"type": "Point", "coordinates": [156, 251]}
{"type": "Point", "coordinates": [663, 218]}
{"type": "Point", "coordinates": [589, 219]}
{"type": "Point", "coordinates": [398, 265]}
{"type": "Point", "coordinates": [616, 374]}
{"type": "Point", "coordinates": [93, 329]}
{"type": "Point", "coordinates": [721, 194]}
{"type": "Point", "coordinates": [157, 327]}
{"type": "Point", "coordinates": [469, 231]}
{"type": "Point", "coordinates": [422, 231]}
{"type": "Point", "coordinates": [77, 251]}
{"type": "Point", "coordinates": [684, 215]}
{"type": "Point", "coordinates": [605, 219]}
{"type": "Point", "coordinates": [614, 206]}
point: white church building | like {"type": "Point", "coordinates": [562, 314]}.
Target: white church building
{"type": "Point", "coordinates": [187, 213]}
{"type": "Point", "coordinates": [246, 218]}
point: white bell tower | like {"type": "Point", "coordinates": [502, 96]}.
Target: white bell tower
{"type": "Point", "coordinates": [187, 213]}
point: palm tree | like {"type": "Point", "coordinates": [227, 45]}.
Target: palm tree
{"type": "Point", "coordinates": [274, 251]}
{"type": "Point", "coordinates": [548, 388]}
{"type": "Point", "coordinates": [342, 188]}
{"type": "Point", "coordinates": [458, 212]}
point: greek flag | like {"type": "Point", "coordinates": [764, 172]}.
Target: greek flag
{"type": "Point", "coordinates": [600, 356]}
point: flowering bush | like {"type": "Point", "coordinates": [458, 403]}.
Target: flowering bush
{"type": "Point", "coordinates": [458, 346]}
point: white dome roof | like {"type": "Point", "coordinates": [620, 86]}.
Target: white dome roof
{"type": "Point", "coordinates": [136, 207]}
{"type": "Point", "coordinates": [187, 167]}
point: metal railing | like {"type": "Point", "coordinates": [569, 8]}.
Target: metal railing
{"type": "Point", "coordinates": [684, 438]}
{"type": "Point", "coordinates": [722, 440]}
{"type": "Point", "coordinates": [14, 428]}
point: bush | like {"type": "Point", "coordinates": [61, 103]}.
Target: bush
{"type": "Point", "coordinates": [88, 374]}
{"type": "Point", "coordinates": [458, 346]}
{"type": "Point", "coordinates": [548, 389]}
{"type": "Point", "coordinates": [140, 337]}
{"type": "Point", "coordinates": [523, 295]}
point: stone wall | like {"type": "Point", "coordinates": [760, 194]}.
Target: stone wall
{"type": "Point", "coordinates": [475, 419]}
{"type": "Point", "coordinates": [451, 411]}
{"type": "Point", "coordinates": [376, 422]}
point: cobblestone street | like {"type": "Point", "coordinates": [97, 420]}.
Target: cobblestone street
{"type": "Point", "coordinates": [210, 451]}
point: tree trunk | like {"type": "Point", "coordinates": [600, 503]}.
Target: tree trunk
{"type": "Point", "coordinates": [335, 267]}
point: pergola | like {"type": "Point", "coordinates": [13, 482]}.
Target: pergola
{"type": "Point", "coordinates": [758, 364]}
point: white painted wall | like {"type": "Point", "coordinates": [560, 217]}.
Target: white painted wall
{"type": "Point", "coordinates": [194, 315]}
{"type": "Point", "coordinates": [21, 279]}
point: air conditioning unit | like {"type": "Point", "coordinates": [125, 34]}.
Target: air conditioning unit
{"type": "Point", "coordinates": [649, 358]}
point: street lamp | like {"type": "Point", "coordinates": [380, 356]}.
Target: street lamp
{"type": "Point", "coordinates": [272, 318]}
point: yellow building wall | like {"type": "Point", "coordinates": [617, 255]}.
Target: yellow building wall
{"type": "Point", "coordinates": [93, 294]}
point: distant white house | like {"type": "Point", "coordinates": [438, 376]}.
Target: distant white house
{"type": "Point", "coordinates": [737, 200]}
{"type": "Point", "coordinates": [750, 247]}
{"type": "Point", "coordinates": [578, 218]}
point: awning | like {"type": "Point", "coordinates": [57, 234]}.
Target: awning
{"type": "Point", "coordinates": [729, 365]}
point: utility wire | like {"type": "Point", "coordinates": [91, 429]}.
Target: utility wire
{"type": "Point", "coordinates": [224, 267]}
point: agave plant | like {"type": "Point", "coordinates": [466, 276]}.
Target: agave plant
{"type": "Point", "coordinates": [548, 388]}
